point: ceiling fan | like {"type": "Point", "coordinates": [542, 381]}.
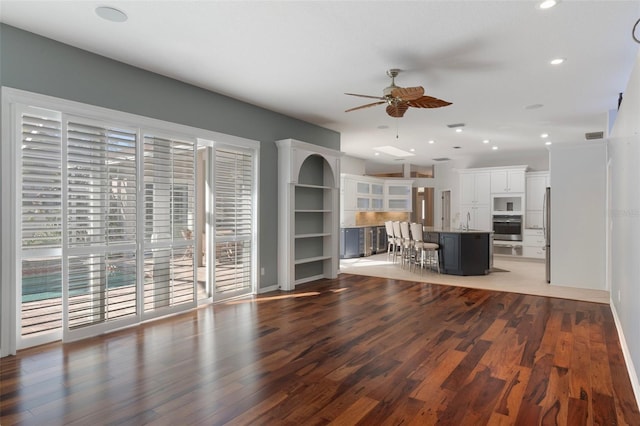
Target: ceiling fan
{"type": "Point", "coordinates": [399, 99]}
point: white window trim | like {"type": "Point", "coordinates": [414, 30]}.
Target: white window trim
{"type": "Point", "coordinates": [11, 97]}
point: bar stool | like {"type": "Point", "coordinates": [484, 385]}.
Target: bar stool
{"type": "Point", "coordinates": [391, 240]}
{"type": "Point", "coordinates": [397, 234]}
{"type": "Point", "coordinates": [407, 246]}
{"type": "Point", "coordinates": [430, 249]}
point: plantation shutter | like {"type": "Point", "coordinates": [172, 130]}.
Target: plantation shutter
{"type": "Point", "coordinates": [41, 222]}
{"type": "Point", "coordinates": [169, 205]}
{"type": "Point", "coordinates": [234, 194]}
{"type": "Point", "coordinates": [101, 223]}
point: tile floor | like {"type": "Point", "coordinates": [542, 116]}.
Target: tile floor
{"type": "Point", "coordinates": [521, 276]}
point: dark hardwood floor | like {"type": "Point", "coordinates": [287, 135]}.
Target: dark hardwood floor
{"type": "Point", "coordinates": [356, 350]}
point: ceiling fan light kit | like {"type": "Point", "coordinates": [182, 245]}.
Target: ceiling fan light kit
{"type": "Point", "coordinates": [399, 99]}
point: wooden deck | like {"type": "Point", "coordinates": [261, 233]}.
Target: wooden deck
{"type": "Point", "coordinates": [355, 350]}
{"type": "Point", "coordinates": [46, 314]}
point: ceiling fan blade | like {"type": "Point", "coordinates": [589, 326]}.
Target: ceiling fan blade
{"type": "Point", "coordinates": [365, 106]}
{"type": "Point", "coordinates": [397, 109]}
{"type": "Point", "coordinates": [364, 96]}
{"type": "Point", "coordinates": [408, 93]}
{"type": "Point", "coordinates": [427, 102]}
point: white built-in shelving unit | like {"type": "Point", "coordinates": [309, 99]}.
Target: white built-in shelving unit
{"type": "Point", "coordinates": [308, 192]}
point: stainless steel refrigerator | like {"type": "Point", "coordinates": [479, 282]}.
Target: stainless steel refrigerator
{"type": "Point", "coordinates": [546, 226]}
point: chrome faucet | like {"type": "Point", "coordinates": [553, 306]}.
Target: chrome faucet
{"type": "Point", "coordinates": [468, 220]}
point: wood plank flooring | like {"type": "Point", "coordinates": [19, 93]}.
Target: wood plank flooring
{"type": "Point", "coordinates": [355, 350]}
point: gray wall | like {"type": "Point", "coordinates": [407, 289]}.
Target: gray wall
{"type": "Point", "coordinates": [37, 64]}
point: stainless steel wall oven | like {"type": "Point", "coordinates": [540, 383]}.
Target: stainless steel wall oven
{"type": "Point", "coordinates": [507, 227]}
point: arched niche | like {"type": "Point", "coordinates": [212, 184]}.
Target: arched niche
{"type": "Point", "coordinates": [315, 169]}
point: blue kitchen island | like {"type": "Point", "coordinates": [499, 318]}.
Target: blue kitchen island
{"type": "Point", "coordinates": [463, 252]}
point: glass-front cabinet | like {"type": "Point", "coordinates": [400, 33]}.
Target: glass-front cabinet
{"type": "Point", "coordinates": [398, 195]}
{"type": "Point", "coordinates": [364, 193]}
{"type": "Point", "coordinates": [361, 194]}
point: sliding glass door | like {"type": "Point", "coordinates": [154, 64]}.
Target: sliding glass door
{"type": "Point", "coordinates": [39, 234]}
{"type": "Point", "coordinates": [234, 212]}
{"type": "Point", "coordinates": [169, 224]}
{"type": "Point", "coordinates": [113, 220]}
{"type": "Point", "coordinates": [105, 225]}
{"type": "Point", "coordinates": [100, 247]}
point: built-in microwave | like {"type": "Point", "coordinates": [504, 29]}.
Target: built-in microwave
{"type": "Point", "coordinates": [507, 227]}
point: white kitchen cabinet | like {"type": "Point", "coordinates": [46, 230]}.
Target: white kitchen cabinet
{"type": "Point", "coordinates": [508, 180]}
{"type": "Point", "coordinates": [308, 194]}
{"type": "Point", "coordinates": [475, 188]}
{"type": "Point", "coordinates": [475, 199]}
{"type": "Point", "coordinates": [361, 193]}
{"type": "Point", "coordinates": [537, 182]}
{"type": "Point", "coordinates": [533, 243]}
{"type": "Point", "coordinates": [397, 195]}
{"type": "Point", "coordinates": [348, 193]}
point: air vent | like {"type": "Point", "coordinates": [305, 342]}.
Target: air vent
{"type": "Point", "coordinates": [453, 126]}
{"type": "Point", "coordinates": [441, 159]}
{"type": "Point", "coordinates": [594, 135]}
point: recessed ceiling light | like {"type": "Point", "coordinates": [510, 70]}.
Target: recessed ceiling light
{"type": "Point", "coordinates": [432, 142]}
{"type": "Point", "coordinates": [485, 141]}
{"type": "Point", "coordinates": [458, 130]}
{"type": "Point", "coordinates": [494, 148]}
{"type": "Point", "coordinates": [547, 4]}
{"type": "Point", "coordinates": [547, 143]}
{"type": "Point", "coordinates": [376, 153]}
{"type": "Point", "coordinates": [544, 135]}
{"type": "Point", "coordinates": [412, 150]}
{"type": "Point", "coordinates": [556, 61]}
{"type": "Point", "coordinates": [111, 14]}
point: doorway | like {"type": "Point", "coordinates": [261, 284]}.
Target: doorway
{"type": "Point", "coordinates": [423, 210]}
{"type": "Point", "coordinates": [445, 217]}
{"type": "Point", "coordinates": [225, 248]}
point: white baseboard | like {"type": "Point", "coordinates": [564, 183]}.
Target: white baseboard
{"type": "Point", "coordinates": [633, 376]}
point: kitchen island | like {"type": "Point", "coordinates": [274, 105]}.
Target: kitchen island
{"type": "Point", "coordinates": [462, 252]}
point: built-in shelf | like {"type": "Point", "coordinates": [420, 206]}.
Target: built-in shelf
{"type": "Point", "coordinates": [302, 185]}
{"type": "Point", "coordinates": [308, 196]}
{"type": "Point", "coordinates": [311, 259]}
{"type": "Point", "coordinates": [324, 234]}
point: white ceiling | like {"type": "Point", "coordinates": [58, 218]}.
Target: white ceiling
{"type": "Point", "coordinates": [489, 58]}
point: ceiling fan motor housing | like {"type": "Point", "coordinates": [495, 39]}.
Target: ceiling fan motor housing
{"type": "Point", "coordinates": [393, 72]}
